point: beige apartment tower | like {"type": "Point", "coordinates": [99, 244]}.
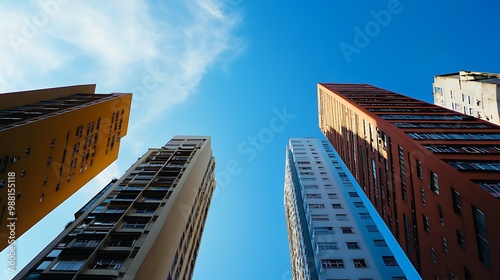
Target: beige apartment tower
{"type": "Point", "coordinates": [475, 94]}
{"type": "Point", "coordinates": [52, 142]}
{"type": "Point", "coordinates": [146, 225]}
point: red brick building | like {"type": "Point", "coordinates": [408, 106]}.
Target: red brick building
{"type": "Point", "coordinates": [432, 174]}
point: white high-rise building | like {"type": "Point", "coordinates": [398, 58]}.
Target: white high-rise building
{"type": "Point", "coordinates": [334, 232]}
{"type": "Point", "coordinates": [475, 94]}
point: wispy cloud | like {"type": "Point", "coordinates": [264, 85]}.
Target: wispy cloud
{"type": "Point", "coordinates": [114, 43]}
{"type": "Point", "coordinates": [159, 51]}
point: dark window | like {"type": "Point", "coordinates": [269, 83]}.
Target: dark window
{"type": "Point", "coordinates": [390, 261]}
{"type": "Point", "coordinates": [87, 243]}
{"type": "Point", "coordinates": [481, 236]}
{"type": "Point", "coordinates": [460, 238]}
{"type": "Point", "coordinates": [426, 223]}
{"type": "Point", "coordinates": [434, 186]}
{"type": "Point", "coordinates": [68, 264]}
{"type": "Point", "coordinates": [380, 242]}
{"type": "Point", "coordinates": [457, 203]}
{"type": "Point", "coordinates": [467, 274]}
{"type": "Point", "coordinates": [441, 215]}
{"type": "Point", "coordinates": [335, 263]}
{"type": "Point", "coordinates": [107, 263]}
{"type": "Point", "coordinates": [122, 242]}
{"type": "Point", "coordinates": [419, 169]}
{"type": "Point", "coordinates": [358, 263]}
{"type": "Point", "coordinates": [353, 245]}
{"type": "Point", "coordinates": [347, 230]}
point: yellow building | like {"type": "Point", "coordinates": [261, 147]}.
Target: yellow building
{"type": "Point", "coordinates": [52, 142]}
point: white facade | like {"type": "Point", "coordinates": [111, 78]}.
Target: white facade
{"type": "Point", "coordinates": [472, 93]}
{"type": "Point", "coordinates": [334, 231]}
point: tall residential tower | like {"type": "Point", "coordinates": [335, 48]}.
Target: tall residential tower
{"type": "Point", "coordinates": [146, 225]}
{"type": "Point", "coordinates": [431, 173]}
{"type": "Point", "coordinates": [471, 93]}
{"type": "Point", "coordinates": [52, 142]}
{"type": "Point", "coordinates": [332, 227]}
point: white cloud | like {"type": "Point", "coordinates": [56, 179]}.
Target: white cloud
{"type": "Point", "coordinates": [114, 43]}
{"type": "Point", "coordinates": [158, 50]}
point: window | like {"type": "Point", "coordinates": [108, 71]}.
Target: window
{"type": "Point", "coordinates": [313, 195]}
{"type": "Point", "coordinates": [422, 196]}
{"type": "Point", "coordinates": [365, 216]}
{"type": "Point", "coordinates": [42, 266]}
{"type": "Point", "coordinates": [332, 263]}
{"type": "Point", "coordinates": [457, 203]}
{"type": "Point", "coordinates": [441, 215]}
{"type": "Point", "coordinates": [319, 217]}
{"type": "Point", "coordinates": [310, 186]}
{"type": "Point", "coordinates": [419, 169]}
{"type": "Point", "coordinates": [107, 263]}
{"type": "Point", "coordinates": [333, 196]}
{"type": "Point", "coordinates": [122, 242]}
{"type": "Point", "coordinates": [27, 152]}
{"type": "Point", "coordinates": [134, 225]}
{"type": "Point", "coordinates": [433, 255]}
{"type": "Point", "coordinates": [337, 206]}
{"type": "Point", "coordinates": [372, 228]}
{"type": "Point", "coordinates": [471, 166]}
{"type": "Point", "coordinates": [352, 245]}
{"type": "Point", "coordinates": [316, 206]}
{"type": "Point", "coordinates": [359, 263]}
{"type": "Point", "coordinates": [54, 253]}
{"type": "Point", "coordinates": [103, 223]}
{"type": "Point", "coordinates": [467, 274]}
{"type": "Point", "coordinates": [341, 217]}
{"type": "Point", "coordinates": [86, 243]}
{"type": "Point", "coordinates": [323, 230]}
{"type": "Point", "coordinates": [328, 246]}
{"type": "Point", "coordinates": [359, 204]}
{"type": "Point", "coordinates": [380, 242]}
{"type": "Point", "coordinates": [460, 238]}
{"type": "Point", "coordinates": [114, 210]}
{"type": "Point", "coordinates": [347, 230]}
{"type": "Point", "coordinates": [389, 261]}
{"type": "Point", "coordinates": [481, 236]}
{"type": "Point", "coordinates": [49, 159]}
{"type": "Point", "coordinates": [353, 194]}
{"type": "Point", "coordinates": [445, 246]}
{"type": "Point", "coordinates": [144, 211]}
{"type": "Point", "coordinates": [434, 186]}
{"type": "Point", "coordinates": [426, 223]}
{"type": "Point", "coordinates": [454, 136]}
{"type": "Point", "coordinates": [69, 264]}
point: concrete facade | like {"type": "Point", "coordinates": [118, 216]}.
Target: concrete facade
{"type": "Point", "coordinates": [52, 142]}
{"type": "Point", "coordinates": [431, 173]}
{"type": "Point", "coordinates": [146, 225]}
{"type": "Point", "coordinates": [332, 230]}
{"type": "Point", "coordinates": [475, 94]}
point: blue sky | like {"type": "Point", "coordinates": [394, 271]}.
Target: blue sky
{"type": "Point", "coordinates": [238, 71]}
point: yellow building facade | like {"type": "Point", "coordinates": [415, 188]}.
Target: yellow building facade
{"type": "Point", "coordinates": [52, 142]}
